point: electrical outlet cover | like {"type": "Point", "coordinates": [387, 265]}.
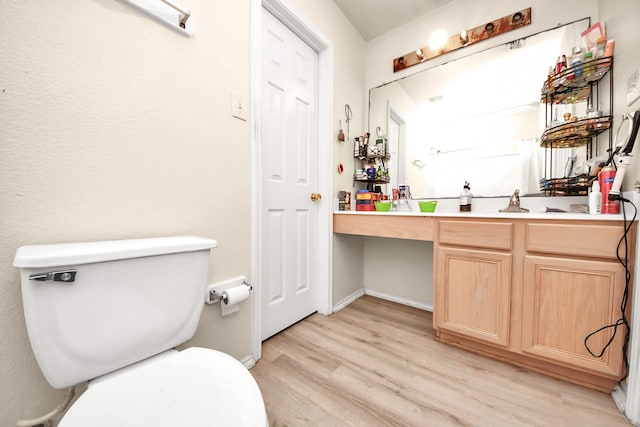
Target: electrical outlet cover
{"type": "Point", "coordinates": [239, 107]}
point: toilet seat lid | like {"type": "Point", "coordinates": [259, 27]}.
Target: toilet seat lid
{"type": "Point", "coordinates": [195, 387]}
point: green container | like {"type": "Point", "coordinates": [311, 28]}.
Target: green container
{"type": "Point", "coordinates": [429, 206]}
{"type": "Point", "coordinates": [384, 206]}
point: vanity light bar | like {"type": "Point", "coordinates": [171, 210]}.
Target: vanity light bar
{"type": "Point", "coordinates": [465, 38]}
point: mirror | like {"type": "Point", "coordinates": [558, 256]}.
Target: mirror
{"type": "Point", "coordinates": [478, 119]}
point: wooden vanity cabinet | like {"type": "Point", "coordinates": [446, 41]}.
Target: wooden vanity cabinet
{"type": "Point", "coordinates": [573, 286]}
{"type": "Point", "coordinates": [530, 291]}
{"type": "Point", "coordinates": [473, 280]}
{"type": "Point", "coordinates": [564, 301]}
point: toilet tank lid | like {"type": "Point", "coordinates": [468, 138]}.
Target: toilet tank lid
{"type": "Point", "coordinates": [84, 253]}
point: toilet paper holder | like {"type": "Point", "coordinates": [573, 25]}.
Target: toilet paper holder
{"type": "Point", "coordinates": [213, 296]}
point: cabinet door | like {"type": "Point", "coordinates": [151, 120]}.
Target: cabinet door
{"type": "Point", "coordinates": [564, 301]}
{"type": "Point", "coordinates": [473, 291]}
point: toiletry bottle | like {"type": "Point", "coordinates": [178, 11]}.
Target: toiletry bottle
{"type": "Point", "coordinates": [608, 53]}
{"type": "Point", "coordinates": [606, 176]}
{"type": "Point", "coordinates": [465, 198]}
{"type": "Point", "coordinates": [550, 77]}
{"type": "Point", "coordinates": [380, 147]}
{"type": "Point", "coordinates": [595, 198]}
{"type": "Point", "coordinates": [365, 145]}
{"type": "Point", "coordinates": [371, 173]}
{"type": "Point", "coordinates": [588, 67]}
{"type": "Point", "coordinates": [576, 62]}
{"type": "Point", "coordinates": [571, 73]}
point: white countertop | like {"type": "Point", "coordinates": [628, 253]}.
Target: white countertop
{"type": "Point", "coordinates": [525, 215]}
{"type": "Point", "coordinates": [490, 208]}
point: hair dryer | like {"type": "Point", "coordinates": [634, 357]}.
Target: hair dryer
{"type": "Point", "coordinates": [624, 159]}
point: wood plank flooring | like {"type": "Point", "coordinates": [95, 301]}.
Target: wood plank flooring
{"type": "Point", "coordinates": [376, 363]}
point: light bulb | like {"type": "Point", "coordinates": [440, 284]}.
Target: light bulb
{"type": "Point", "coordinates": [437, 39]}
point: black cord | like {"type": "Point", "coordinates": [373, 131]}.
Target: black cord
{"type": "Point", "coordinates": [623, 321]}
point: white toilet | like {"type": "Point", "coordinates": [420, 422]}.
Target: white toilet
{"type": "Point", "coordinates": [112, 312]}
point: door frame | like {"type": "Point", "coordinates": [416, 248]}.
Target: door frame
{"type": "Point", "coordinates": [394, 115]}
{"type": "Point", "coordinates": [318, 42]}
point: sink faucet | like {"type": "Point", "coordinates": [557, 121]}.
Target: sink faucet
{"type": "Point", "coordinates": [514, 203]}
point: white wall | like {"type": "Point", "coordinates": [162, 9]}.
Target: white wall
{"type": "Point", "coordinates": [114, 126]}
{"type": "Point", "coordinates": [621, 18]}
{"type": "Point", "coordinates": [348, 267]}
{"type": "Point", "coordinates": [400, 269]}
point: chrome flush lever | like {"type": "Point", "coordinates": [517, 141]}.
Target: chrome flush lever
{"type": "Point", "coordinates": [57, 276]}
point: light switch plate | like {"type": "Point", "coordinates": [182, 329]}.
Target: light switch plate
{"type": "Point", "coordinates": [633, 88]}
{"type": "Point", "coordinates": [239, 107]}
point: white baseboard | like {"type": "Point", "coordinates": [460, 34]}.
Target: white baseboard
{"type": "Point", "coordinates": [619, 396]}
{"type": "Point", "coordinates": [357, 294]}
{"type": "Point", "coordinates": [348, 300]}
{"type": "Point", "coordinates": [404, 301]}
{"type": "Point", "coordinates": [248, 361]}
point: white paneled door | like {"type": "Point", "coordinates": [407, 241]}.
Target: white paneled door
{"type": "Point", "coordinates": [289, 165]}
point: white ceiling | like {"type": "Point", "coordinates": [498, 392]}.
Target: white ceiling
{"type": "Point", "coordinates": [376, 17]}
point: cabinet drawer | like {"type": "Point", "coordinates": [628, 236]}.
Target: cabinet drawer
{"type": "Point", "coordinates": [385, 225]}
{"type": "Point", "coordinates": [594, 240]}
{"type": "Point", "coordinates": [479, 234]}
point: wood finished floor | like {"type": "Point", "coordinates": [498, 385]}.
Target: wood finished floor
{"type": "Point", "coordinates": [376, 363]}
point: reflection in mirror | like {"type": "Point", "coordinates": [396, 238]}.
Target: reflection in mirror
{"type": "Point", "coordinates": [476, 119]}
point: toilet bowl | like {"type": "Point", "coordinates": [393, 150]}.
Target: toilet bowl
{"type": "Point", "coordinates": [196, 387]}
{"type": "Point", "coordinates": [111, 313]}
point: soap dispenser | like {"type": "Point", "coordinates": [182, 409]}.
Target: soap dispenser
{"type": "Point", "coordinates": [595, 198]}
{"type": "Point", "coordinates": [465, 198]}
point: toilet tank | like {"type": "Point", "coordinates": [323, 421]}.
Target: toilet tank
{"type": "Point", "coordinates": [129, 300]}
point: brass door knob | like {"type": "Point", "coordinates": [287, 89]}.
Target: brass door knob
{"type": "Point", "coordinates": [315, 197]}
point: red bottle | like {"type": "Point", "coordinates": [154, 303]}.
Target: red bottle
{"type": "Point", "coordinates": [605, 179]}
